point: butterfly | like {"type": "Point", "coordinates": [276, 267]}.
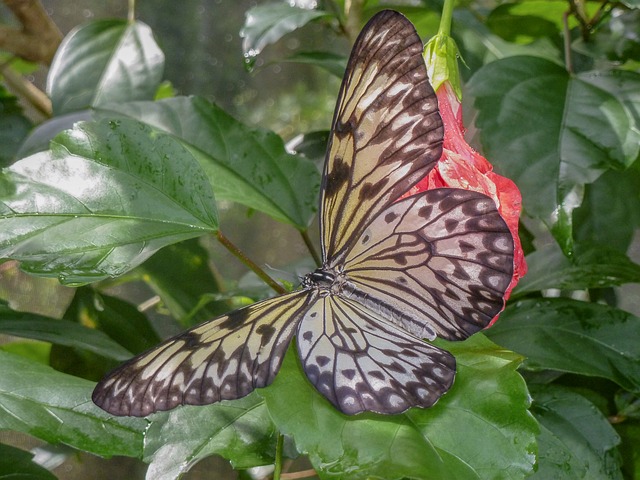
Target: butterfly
{"type": "Point", "coordinates": [396, 269]}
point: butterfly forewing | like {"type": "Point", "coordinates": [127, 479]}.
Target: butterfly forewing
{"type": "Point", "coordinates": [359, 361]}
{"type": "Point", "coordinates": [387, 132]}
{"type": "Point", "coordinates": [223, 359]}
{"type": "Point", "coordinates": [437, 263]}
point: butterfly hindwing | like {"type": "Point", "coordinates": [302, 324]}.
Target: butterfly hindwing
{"type": "Point", "coordinates": [386, 134]}
{"type": "Point", "coordinates": [438, 263]}
{"type": "Point", "coordinates": [361, 362]}
{"type": "Point", "coordinates": [223, 359]}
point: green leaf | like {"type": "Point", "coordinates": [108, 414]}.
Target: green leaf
{"type": "Point", "coordinates": [187, 261]}
{"type": "Point", "coordinates": [102, 62]}
{"type": "Point", "coordinates": [61, 332]}
{"type": "Point", "coordinates": [312, 145]}
{"type": "Point", "coordinates": [610, 212]}
{"type": "Point", "coordinates": [52, 406]}
{"type": "Point", "coordinates": [552, 133]}
{"type": "Point", "coordinates": [101, 201]}
{"type": "Point", "coordinates": [524, 22]}
{"type": "Point", "coordinates": [34, 350]}
{"type": "Point", "coordinates": [576, 440]}
{"type": "Point", "coordinates": [630, 433]}
{"type": "Point", "coordinates": [245, 165]}
{"type": "Point", "coordinates": [573, 336]}
{"type": "Point", "coordinates": [479, 46]}
{"type": "Point", "coordinates": [14, 126]}
{"type": "Point", "coordinates": [479, 429]}
{"type": "Point", "coordinates": [266, 24]}
{"type": "Point", "coordinates": [239, 430]}
{"type": "Point", "coordinates": [331, 62]}
{"type": "Point", "coordinates": [594, 266]}
{"type": "Point", "coordinates": [41, 136]}
{"type": "Point", "coordinates": [16, 464]}
{"type": "Point", "coordinates": [120, 320]}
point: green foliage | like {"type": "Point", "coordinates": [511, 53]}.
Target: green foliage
{"type": "Point", "coordinates": [125, 196]}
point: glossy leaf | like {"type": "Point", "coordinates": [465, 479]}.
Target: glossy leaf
{"type": "Point", "coordinates": [102, 62]}
{"type": "Point", "coordinates": [573, 336]}
{"type": "Point", "coordinates": [18, 464]}
{"type": "Point", "coordinates": [101, 201]}
{"type": "Point", "coordinates": [14, 126]}
{"type": "Point", "coordinates": [312, 145]}
{"type": "Point", "coordinates": [244, 165]}
{"type": "Point", "coordinates": [594, 266]}
{"type": "Point", "coordinates": [120, 320]}
{"type": "Point", "coordinates": [552, 133]}
{"type": "Point", "coordinates": [332, 63]}
{"type": "Point", "coordinates": [188, 263]}
{"type": "Point", "coordinates": [240, 431]}
{"type": "Point", "coordinates": [576, 440]}
{"type": "Point", "coordinates": [57, 408]}
{"type": "Point", "coordinates": [61, 332]}
{"type": "Point", "coordinates": [610, 212]}
{"type": "Point", "coordinates": [526, 21]}
{"type": "Point", "coordinates": [479, 429]}
{"type": "Point", "coordinates": [266, 24]}
{"type": "Point", "coordinates": [41, 136]}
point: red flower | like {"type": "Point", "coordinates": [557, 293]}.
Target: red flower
{"type": "Point", "coordinates": [460, 166]}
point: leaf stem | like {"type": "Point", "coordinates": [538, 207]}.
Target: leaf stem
{"type": "Point", "coordinates": [445, 20]}
{"type": "Point", "coordinates": [249, 263]}
{"type": "Point", "coordinates": [353, 10]}
{"type": "Point", "coordinates": [310, 247]}
{"type": "Point", "coordinates": [278, 465]}
{"type": "Point", "coordinates": [567, 41]}
{"type": "Point", "coordinates": [131, 14]}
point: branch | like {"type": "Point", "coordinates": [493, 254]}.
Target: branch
{"type": "Point", "coordinates": [25, 89]}
{"type": "Point", "coordinates": [39, 37]}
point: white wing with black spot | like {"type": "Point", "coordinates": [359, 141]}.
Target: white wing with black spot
{"type": "Point", "coordinates": [437, 263]}
{"type": "Point", "coordinates": [223, 359]}
{"type": "Point", "coordinates": [361, 362]}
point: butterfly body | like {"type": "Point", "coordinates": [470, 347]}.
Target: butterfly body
{"type": "Point", "coordinates": [395, 270]}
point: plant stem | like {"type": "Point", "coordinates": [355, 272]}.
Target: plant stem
{"type": "Point", "coordinates": [310, 247]}
{"type": "Point", "coordinates": [278, 465]}
{"type": "Point", "coordinates": [353, 10]}
{"type": "Point", "coordinates": [567, 42]}
{"type": "Point", "coordinates": [131, 14]}
{"type": "Point", "coordinates": [446, 18]}
{"type": "Point", "coordinates": [249, 263]}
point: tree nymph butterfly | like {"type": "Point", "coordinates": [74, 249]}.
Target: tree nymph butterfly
{"type": "Point", "coordinates": [395, 270]}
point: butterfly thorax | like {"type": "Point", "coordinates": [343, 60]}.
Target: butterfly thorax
{"type": "Point", "coordinates": [329, 281]}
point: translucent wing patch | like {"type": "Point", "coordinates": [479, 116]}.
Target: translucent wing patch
{"type": "Point", "coordinates": [360, 362]}
{"type": "Point", "coordinates": [437, 263]}
{"type": "Point", "coordinates": [386, 134]}
{"type": "Point", "coordinates": [223, 359]}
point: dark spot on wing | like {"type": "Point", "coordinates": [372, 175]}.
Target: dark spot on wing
{"type": "Point", "coordinates": [322, 360]}
{"type": "Point", "coordinates": [425, 212]}
{"type": "Point", "coordinates": [390, 217]}
{"type": "Point", "coordinates": [372, 190]}
{"type": "Point", "coordinates": [342, 129]}
{"type": "Point", "coordinates": [235, 319]}
{"type": "Point", "coordinates": [349, 373]}
{"type": "Point", "coordinates": [266, 332]}
{"type": "Point", "coordinates": [450, 224]}
{"type": "Point", "coordinates": [466, 247]}
{"type": "Point", "coordinates": [191, 339]}
{"type": "Point", "coordinates": [337, 177]}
